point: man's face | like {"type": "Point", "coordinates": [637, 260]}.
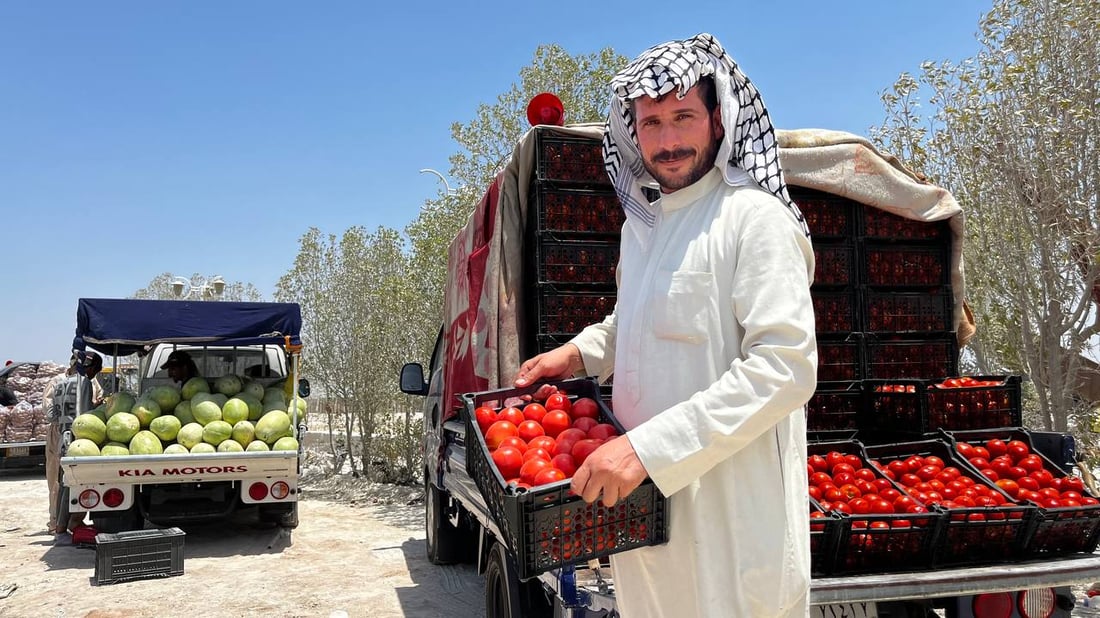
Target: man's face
{"type": "Point", "coordinates": [678, 138]}
{"type": "Point", "coordinates": [176, 372]}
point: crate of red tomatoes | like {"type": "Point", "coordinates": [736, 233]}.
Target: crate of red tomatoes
{"type": "Point", "coordinates": [917, 406]}
{"type": "Point", "coordinates": [882, 529]}
{"type": "Point", "coordinates": [522, 452]}
{"type": "Point", "coordinates": [1068, 514]}
{"type": "Point", "coordinates": [982, 524]}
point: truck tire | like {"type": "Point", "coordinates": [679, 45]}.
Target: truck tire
{"type": "Point", "coordinates": [446, 543]}
{"type": "Point", "coordinates": [130, 519]}
{"type": "Point", "coordinates": [506, 596]}
{"type": "Point", "coordinates": [283, 515]}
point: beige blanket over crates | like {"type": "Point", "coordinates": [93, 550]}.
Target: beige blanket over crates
{"type": "Point", "coordinates": [485, 301]}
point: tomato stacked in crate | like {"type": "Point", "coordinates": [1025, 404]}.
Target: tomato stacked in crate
{"type": "Point", "coordinates": [882, 302]}
{"type": "Point", "coordinates": [574, 237]}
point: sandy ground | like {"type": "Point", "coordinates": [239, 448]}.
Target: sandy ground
{"type": "Point", "coordinates": [358, 552]}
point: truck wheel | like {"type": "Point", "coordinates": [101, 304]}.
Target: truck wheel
{"type": "Point", "coordinates": [446, 543]}
{"type": "Point", "coordinates": [506, 596]}
{"type": "Point", "coordinates": [284, 515]}
{"type": "Point", "coordinates": [130, 519]}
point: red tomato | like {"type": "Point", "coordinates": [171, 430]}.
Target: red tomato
{"type": "Point", "coordinates": [534, 412]}
{"type": "Point", "coordinates": [531, 468]}
{"type": "Point", "coordinates": [573, 434]}
{"type": "Point", "coordinates": [565, 463]}
{"type": "Point", "coordinates": [497, 432]}
{"type": "Point", "coordinates": [585, 406]}
{"type": "Point", "coordinates": [996, 447]}
{"type": "Point", "coordinates": [536, 452]}
{"type": "Point", "coordinates": [508, 460]}
{"type": "Point", "coordinates": [555, 422]}
{"type": "Point", "coordinates": [584, 423]}
{"type": "Point", "coordinates": [485, 416]}
{"type": "Point", "coordinates": [548, 475]}
{"type": "Point", "coordinates": [512, 414]}
{"type": "Point", "coordinates": [529, 430]}
{"type": "Point", "coordinates": [515, 441]}
{"type": "Point", "coordinates": [965, 449]}
{"type": "Point", "coordinates": [603, 431]}
{"type": "Point", "coordinates": [583, 448]}
{"type": "Point", "coordinates": [817, 462]}
{"type": "Point", "coordinates": [1017, 450]}
{"type": "Point", "coordinates": [546, 443]}
{"type": "Point", "coordinates": [559, 401]}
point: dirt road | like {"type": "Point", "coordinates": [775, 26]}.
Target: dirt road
{"type": "Point", "coordinates": [359, 552]}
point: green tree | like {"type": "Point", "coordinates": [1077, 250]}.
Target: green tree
{"type": "Point", "coordinates": [1014, 134]}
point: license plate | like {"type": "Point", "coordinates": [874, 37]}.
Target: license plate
{"type": "Point", "coordinates": [19, 451]}
{"type": "Point", "coordinates": [844, 610]}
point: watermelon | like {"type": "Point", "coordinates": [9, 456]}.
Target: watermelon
{"type": "Point", "coordinates": [122, 426]}
{"type": "Point", "coordinates": [82, 448]}
{"type": "Point", "coordinates": [90, 427]}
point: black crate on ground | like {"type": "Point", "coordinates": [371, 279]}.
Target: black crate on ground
{"type": "Point", "coordinates": [548, 527]}
{"type": "Point", "coordinates": [569, 311]}
{"type": "Point", "coordinates": [839, 361]}
{"type": "Point", "coordinates": [933, 356]}
{"type": "Point", "coordinates": [581, 211]}
{"type": "Point", "coordinates": [835, 310]}
{"type": "Point", "coordinates": [880, 542]}
{"type": "Point", "coordinates": [827, 215]}
{"type": "Point", "coordinates": [1058, 530]}
{"type": "Point", "coordinates": [576, 262]}
{"type": "Point", "coordinates": [138, 554]}
{"type": "Point", "coordinates": [906, 265]}
{"type": "Point", "coordinates": [834, 264]}
{"type": "Point", "coordinates": [897, 311]}
{"type": "Point", "coordinates": [570, 159]}
{"type": "Point", "coordinates": [834, 406]}
{"type": "Point", "coordinates": [969, 535]}
{"type": "Point", "coordinates": [881, 225]}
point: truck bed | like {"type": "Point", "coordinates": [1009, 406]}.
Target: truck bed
{"type": "Point", "coordinates": [190, 468]}
{"type": "Point", "coordinates": [945, 582]}
{"type": "Point", "coordinates": [22, 455]}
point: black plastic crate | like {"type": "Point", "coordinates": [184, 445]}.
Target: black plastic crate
{"type": "Point", "coordinates": [970, 534]}
{"type": "Point", "coordinates": [930, 357]}
{"type": "Point", "coordinates": [994, 401]}
{"type": "Point", "coordinates": [896, 311]}
{"type": "Point", "coordinates": [581, 211]}
{"type": "Point", "coordinates": [834, 406]}
{"type": "Point", "coordinates": [881, 225]}
{"type": "Point", "coordinates": [549, 527]}
{"type": "Point", "coordinates": [839, 361]}
{"type": "Point", "coordinates": [1058, 530]}
{"type": "Point", "coordinates": [835, 264]}
{"type": "Point", "coordinates": [570, 159]}
{"type": "Point", "coordinates": [576, 262]}
{"type": "Point", "coordinates": [563, 311]}
{"type": "Point", "coordinates": [894, 407]}
{"type": "Point", "coordinates": [835, 311]}
{"type": "Point", "coordinates": [138, 554]}
{"type": "Point", "coordinates": [827, 215]}
{"type": "Point", "coordinates": [824, 535]}
{"type": "Point", "coordinates": [906, 265]}
{"type": "Point", "coordinates": [880, 542]}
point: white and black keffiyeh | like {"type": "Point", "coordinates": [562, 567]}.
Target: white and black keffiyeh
{"type": "Point", "coordinates": [749, 144]}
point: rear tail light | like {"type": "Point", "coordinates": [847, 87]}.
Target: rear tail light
{"type": "Point", "coordinates": [280, 490]}
{"type": "Point", "coordinates": [1036, 603]}
{"type": "Point", "coordinates": [993, 605]}
{"type": "Point", "coordinates": [88, 499]}
{"type": "Point", "coordinates": [257, 491]}
{"type": "Point", "coordinates": [113, 497]}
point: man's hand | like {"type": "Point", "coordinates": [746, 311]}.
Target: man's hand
{"type": "Point", "coordinates": [561, 362]}
{"type": "Point", "coordinates": [613, 470]}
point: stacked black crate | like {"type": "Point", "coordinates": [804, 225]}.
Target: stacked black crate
{"type": "Point", "coordinates": [575, 237]}
{"type": "Point", "coordinates": [833, 222]}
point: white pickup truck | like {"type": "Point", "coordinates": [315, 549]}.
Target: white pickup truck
{"type": "Point", "coordinates": [258, 340]}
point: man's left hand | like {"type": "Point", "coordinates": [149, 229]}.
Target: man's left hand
{"type": "Point", "coordinates": [612, 470]}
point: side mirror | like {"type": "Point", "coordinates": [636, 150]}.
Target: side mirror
{"type": "Point", "coordinates": [412, 379]}
{"type": "Point", "coordinates": [303, 387]}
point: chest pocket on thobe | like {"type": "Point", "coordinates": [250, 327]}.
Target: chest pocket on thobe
{"type": "Point", "coordinates": [682, 303]}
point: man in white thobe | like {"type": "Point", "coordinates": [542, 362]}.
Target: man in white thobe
{"type": "Point", "coordinates": [711, 343]}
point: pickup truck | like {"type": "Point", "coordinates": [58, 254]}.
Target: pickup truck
{"type": "Point", "coordinates": [260, 340]}
{"type": "Point", "coordinates": [495, 318]}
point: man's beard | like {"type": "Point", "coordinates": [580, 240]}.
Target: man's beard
{"type": "Point", "coordinates": [699, 168]}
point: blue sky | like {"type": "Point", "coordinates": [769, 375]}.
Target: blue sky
{"type": "Point", "coordinates": [138, 138]}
